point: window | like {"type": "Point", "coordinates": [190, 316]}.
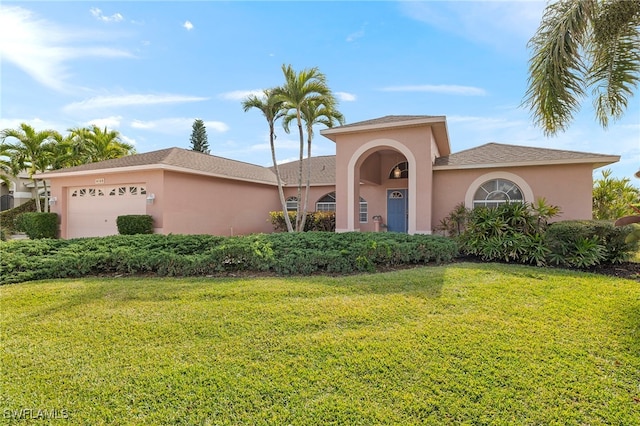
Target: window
{"type": "Point", "coordinates": [364, 211]}
{"type": "Point", "coordinates": [497, 191]}
{"type": "Point", "coordinates": [292, 203]}
{"type": "Point", "coordinates": [400, 171]}
{"type": "Point", "coordinates": [328, 204]}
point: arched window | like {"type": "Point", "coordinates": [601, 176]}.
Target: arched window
{"type": "Point", "coordinates": [497, 191]}
{"type": "Point", "coordinates": [292, 203]}
{"type": "Point", "coordinates": [400, 171]}
{"type": "Point", "coordinates": [328, 204]}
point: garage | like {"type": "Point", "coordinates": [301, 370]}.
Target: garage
{"type": "Point", "coordinates": [92, 210]}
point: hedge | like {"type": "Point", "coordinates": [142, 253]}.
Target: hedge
{"type": "Point", "coordinates": [134, 224]}
{"type": "Point", "coordinates": [202, 255]}
{"type": "Point", "coordinates": [38, 225]}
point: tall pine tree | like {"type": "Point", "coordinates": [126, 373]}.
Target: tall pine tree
{"type": "Point", "coordinates": [199, 137]}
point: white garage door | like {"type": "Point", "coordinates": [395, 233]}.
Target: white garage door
{"type": "Point", "coordinates": [92, 210]}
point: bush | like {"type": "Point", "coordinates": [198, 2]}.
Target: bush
{"type": "Point", "coordinates": [510, 232]}
{"type": "Point", "coordinates": [585, 243]}
{"type": "Point", "coordinates": [316, 221]}
{"type": "Point", "coordinates": [200, 255]}
{"type": "Point", "coordinates": [135, 224]}
{"type": "Point", "coordinates": [8, 217]}
{"type": "Point", "coordinates": [38, 225]}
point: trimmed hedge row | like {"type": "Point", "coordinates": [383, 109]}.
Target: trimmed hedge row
{"type": "Point", "coordinates": [8, 217]}
{"type": "Point", "coordinates": [38, 225]}
{"type": "Point", "coordinates": [133, 224]}
{"type": "Point", "coordinates": [202, 255]}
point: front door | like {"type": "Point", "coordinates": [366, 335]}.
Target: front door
{"type": "Point", "coordinates": [397, 210]}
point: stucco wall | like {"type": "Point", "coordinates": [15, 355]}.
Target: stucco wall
{"type": "Point", "coordinates": [412, 144]}
{"type": "Point", "coordinates": [194, 204]}
{"type": "Point", "coordinates": [567, 186]}
{"type": "Point", "coordinates": [185, 203]}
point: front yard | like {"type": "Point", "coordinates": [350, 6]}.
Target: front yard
{"type": "Point", "coordinates": [456, 344]}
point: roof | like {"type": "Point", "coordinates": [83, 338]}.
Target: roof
{"type": "Point", "coordinates": [323, 170]}
{"type": "Point", "coordinates": [438, 123]}
{"type": "Point", "coordinates": [503, 155]}
{"type": "Point", "coordinates": [176, 159]}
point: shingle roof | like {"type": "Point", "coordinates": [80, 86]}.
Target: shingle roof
{"type": "Point", "coordinates": [323, 171]}
{"type": "Point", "coordinates": [496, 154]}
{"type": "Point", "coordinates": [178, 158]}
{"type": "Point", "coordinates": [387, 119]}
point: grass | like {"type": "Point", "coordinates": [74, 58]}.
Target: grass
{"type": "Point", "coordinates": [461, 344]}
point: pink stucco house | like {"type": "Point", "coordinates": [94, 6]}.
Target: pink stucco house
{"type": "Point", "coordinates": [397, 167]}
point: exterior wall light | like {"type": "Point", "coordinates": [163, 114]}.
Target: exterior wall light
{"type": "Point", "coordinates": [151, 198]}
{"type": "Point", "coordinates": [52, 201]}
{"type": "Point", "coordinates": [397, 172]}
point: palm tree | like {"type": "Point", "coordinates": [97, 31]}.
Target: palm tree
{"type": "Point", "coordinates": [312, 113]}
{"type": "Point", "coordinates": [309, 85]}
{"type": "Point", "coordinates": [271, 108]}
{"type": "Point", "coordinates": [95, 144]}
{"type": "Point", "coordinates": [32, 152]}
{"type": "Point", "coordinates": [583, 44]}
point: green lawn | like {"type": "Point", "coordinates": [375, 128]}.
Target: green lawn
{"type": "Point", "coordinates": [457, 344]}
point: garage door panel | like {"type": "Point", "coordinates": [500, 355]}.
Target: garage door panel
{"type": "Point", "coordinates": [92, 211]}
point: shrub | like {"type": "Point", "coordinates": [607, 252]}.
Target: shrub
{"type": "Point", "coordinates": [576, 243]}
{"type": "Point", "coordinates": [135, 224]}
{"type": "Point", "coordinates": [510, 232]}
{"type": "Point", "coordinates": [8, 217]}
{"type": "Point", "coordinates": [200, 255]}
{"type": "Point", "coordinates": [38, 225]}
{"type": "Point", "coordinates": [316, 221]}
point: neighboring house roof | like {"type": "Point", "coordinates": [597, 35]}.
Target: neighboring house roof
{"type": "Point", "coordinates": [323, 171]}
{"type": "Point", "coordinates": [175, 159]}
{"type": "Point", "coordinates": [493, 155]}
{"type": "Point", "coordinates": [437, 122]}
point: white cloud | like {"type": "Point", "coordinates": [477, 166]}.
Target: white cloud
{"type": "Point", "coordinates": [354, 36]}
{"type": "Point", "coordinates": [42, 49]}
{"type": "Point", "coordinates": [130, 100]}
{"type": "Point", "coordinates": [441, 88]}
{"type": "Point", "coordinates": [239, 95]}
{"type": "Point", "coordinates": [37, 123]}
{"type": "Point", "coordinates": [128, 140]}
{"type": "Point", "coordinates": [188, 25]}
{"type": "Point", "coordinates": [97, 13]}
{"type": "Point", "coordinates": [502, 24]}
{"type": "Point", "coordinates": [346, 97]}
{"type": "Point", "coordinates": [177, 125]}
{"type": "Point", "coordinates": [108, 122]}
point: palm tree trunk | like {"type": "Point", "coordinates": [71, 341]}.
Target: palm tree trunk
{"type": "Point", "coordinates": [299, 222]}
{"type": "Point", "coordinates": [36, 195]}
{"type": "Point", "coordinates": [283, 201]}
{"type": "Point", "coordinates": [306, 193]}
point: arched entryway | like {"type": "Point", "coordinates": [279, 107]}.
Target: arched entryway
{"type": "Point", "coordinates": [385, 168]}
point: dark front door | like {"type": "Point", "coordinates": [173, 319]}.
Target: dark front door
{"type": "Point", "coordinates": [397, 210]}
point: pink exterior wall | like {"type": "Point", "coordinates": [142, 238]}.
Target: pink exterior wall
{"type": "Point", "coordinates": [194, 204]}
{"type": "Point", "coordinates": [567, 186]}
{"type": "Point", "coordinates": [185, 203]}
{"type": "Point", "coordinates": [386, 148]}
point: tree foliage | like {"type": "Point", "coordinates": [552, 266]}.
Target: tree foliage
{"type": "Point", "coordinates": [26, 149]}
{"type": "Point", "coordinates": [614, 198]}
{"type": "Point", "coordinates": [304, 98]}
{"type": "Point", "coordinates": [582, 45]}
{"type": "Point", "coordinates": [199, 140]}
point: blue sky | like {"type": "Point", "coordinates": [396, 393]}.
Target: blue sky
{"type": "Point", "coordinates": [148, 69]}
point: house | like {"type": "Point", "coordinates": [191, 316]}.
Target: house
{"type": "Point", "coordinates": [17, 191]}
{"type": "Point", "coordinates": [398, 167]}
